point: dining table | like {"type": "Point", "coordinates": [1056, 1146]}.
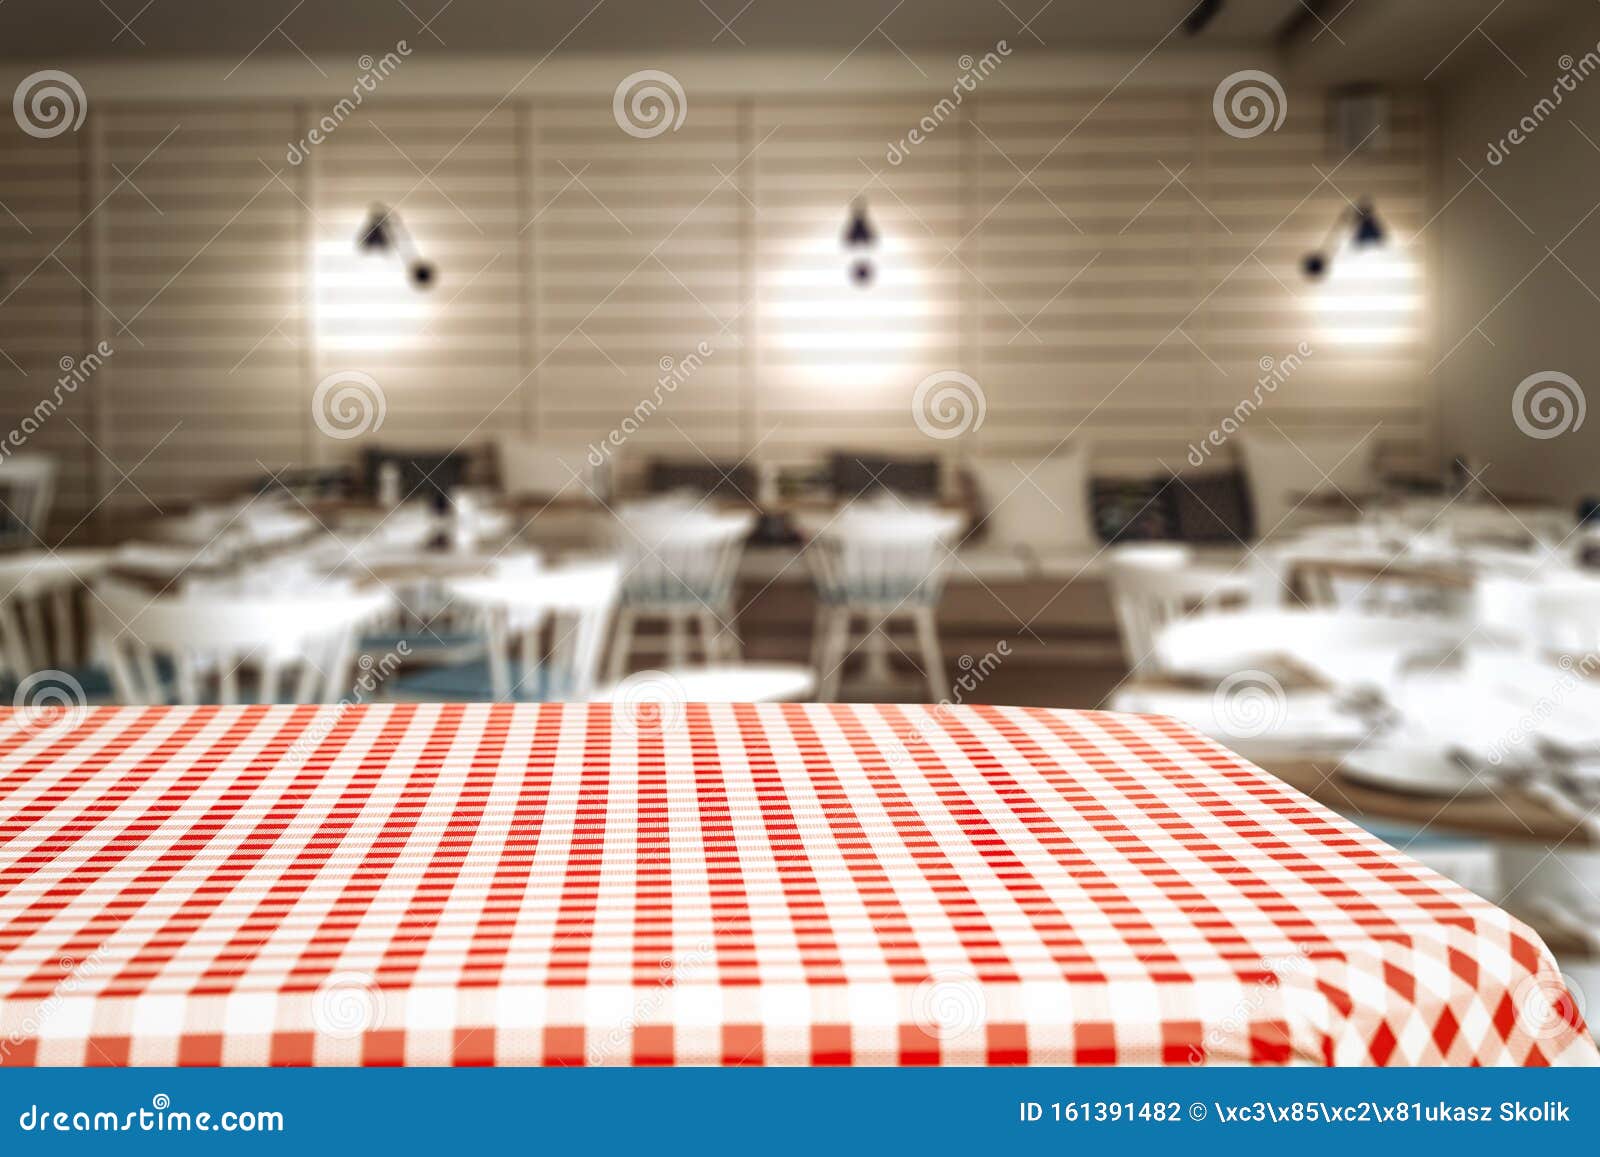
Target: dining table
{"type": "Point", "coordinates": [779, 884]}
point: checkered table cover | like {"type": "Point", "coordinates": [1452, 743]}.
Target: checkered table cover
{"type": "Point", "coordinates": [780, 884]}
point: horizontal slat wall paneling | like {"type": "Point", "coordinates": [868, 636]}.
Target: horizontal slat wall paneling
{"type": "Point", "coordinates": [1133, 282]}
{"type": "Point", "coordinates": [839, 364]}
{"type": "Point", "coordinates": [1365, 325]}
{"type": "Point", "coordinates": [446, 360]}
{"type": "Point", "coordinates": [638, 246]}
{"type": "Point", "coordinates": [1086, 244]}
{"type": "Point", "coordinates": [44, 309]}
{"type": "Point", "coordinates": [202, 272]}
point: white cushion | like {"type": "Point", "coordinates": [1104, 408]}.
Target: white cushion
{"type": "Point", "coordinates": [545, 470]}
{"type": "Point", "coordinates": [1282, 473]}
{"type": "Point", "coordinates": [1042, 505]}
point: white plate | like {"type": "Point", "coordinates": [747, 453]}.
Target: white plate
{"type": "Point", "coordinates": [1348, 649]}
{"type": "Point", "coordinates": [1304, 720]}
{"type": "Point", "coordinates": [1412, 769]}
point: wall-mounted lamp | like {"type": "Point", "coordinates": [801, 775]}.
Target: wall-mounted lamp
{"type": "Point", "coordinates": [385, 233]}
{"type": "Point", "coordinates": [1365, 230]}
{"type": "Point", "coordinates": [1201, 16]}
{"type": "Point", "coordinates": [859, 239]}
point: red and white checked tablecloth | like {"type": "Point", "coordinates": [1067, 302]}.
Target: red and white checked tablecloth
{"type": "Point", "coordinates": [779, 884]}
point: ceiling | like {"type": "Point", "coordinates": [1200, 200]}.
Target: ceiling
{"type": "Point", "coordinates": [1332, 39]}
{"type": "Point", "coordinates": [87, 27]}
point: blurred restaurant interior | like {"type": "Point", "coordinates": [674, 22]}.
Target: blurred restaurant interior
{"type": "Point", "coordinates": [1222, 361]}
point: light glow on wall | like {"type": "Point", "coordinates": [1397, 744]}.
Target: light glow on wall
{"type": "Point", "coordinates": [1371, 297]}
{"type": "Point", "coordinates": [850, 340]}
{"type": "Point", "coordinates": [365, 301]}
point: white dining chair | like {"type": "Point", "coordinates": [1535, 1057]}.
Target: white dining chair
{"type": "Point", "coordinates": [1154, 584]}
{"type": "Point", "coordinates": [304, 643]}
{"type": "Point", "coordinates": [27, 492]}
{"type": "Point", "coordinates": [679, 565]}
{"type": "Point", "coordinates": [515, 608]}
{"type": "Point", "coordinates": [39, 608]}
{"type": "Point", "coordinates": [883, 564]}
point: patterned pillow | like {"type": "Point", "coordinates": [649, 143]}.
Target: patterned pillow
{"type": "Point", "coordinates": [1133, 509]}
{"type": "Point", "coordinates": [1211, 507]}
